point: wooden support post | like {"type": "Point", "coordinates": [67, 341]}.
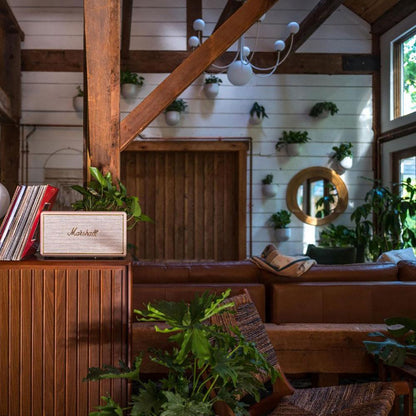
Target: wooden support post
{"type": "Point", "coordinates": [9, 156]}
{"type": "Point", "coordinates": [102, 48]}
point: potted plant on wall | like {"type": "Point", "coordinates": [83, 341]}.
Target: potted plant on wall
{"type": "Point", "coordinates": [269, 188]}
{"type": "Point", "coordinates": [257, 113]}
{"type": "Point", "coordinates": [212, 86]}
{"type": "Point", "coordinates": [323, 109]}
{"type": "Point", "coordinates": [130, 84]}
{"type": "Point", "coordinates": [173, 111]}
{"type": "Point", "coordinates": [78, 100]}
{"type": "Point", "coordinates": [291, 140]}
{"type": "Point", "coordinates": [343, 155]}
{"type": "Point", "coordinates": [279, 221]}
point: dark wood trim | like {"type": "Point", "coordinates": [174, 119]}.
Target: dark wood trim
{"type": "Point", "coordinates": [395, 159]}
{"type": "Point", "coordinates": [193, 12]}
{"type": "Point", "coordinates": [229, 9]}
{"type": "Point", "coordinates": [140, 117]}
{"type": "Point", "coordinates": [394, 134]}
{"type": "Point", "coordinates": [396, 14]}
{"type": "Point", "coordinates": [9, 155]}
{"type": "Point", "coordinates": [376, 86]}
{"type": "Point", "coordinates": [12, 23]}
{"type": "Point", "coordinates": [166, 61]}
{"type": "Point", "coordinates": [5, 107]}
{"type": "Point", "coordinates": [126, 17]}
{"type": "Point", "coordinates": [313, 20]}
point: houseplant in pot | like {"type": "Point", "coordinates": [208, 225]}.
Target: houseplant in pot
{"type": "Point", "coordinates": [130, 84]}
{"type": "Point", "coordinates": [173, 111]}
{"type": "Point", "coordinates": [269, 188]}
{"type": "Point", "coordinates": [257, 113]}
{"type": "Point", "coordinates": [292, 140]}
{"type": "Point", "coordinates": [205, 366]}
{"type": "Point", "coordinates": [78, 100]}
{"type": "Point", "coordinates": [343, 155]}
{"type": "Point", "coordinates": [212, 86]}
{"type": "Point", "coordinates": [323, 109]}
{"type": "Point", "coordinates": [279, 221]}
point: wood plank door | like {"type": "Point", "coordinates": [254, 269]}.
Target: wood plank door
{"type": "Point", "coordinates": [195, 191]}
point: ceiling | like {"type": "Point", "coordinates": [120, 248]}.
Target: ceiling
{"type": "Point", "coordinates": [370, 10]}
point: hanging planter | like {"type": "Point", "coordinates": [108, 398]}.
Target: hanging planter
{"type": "Point", "coordinates": [282, 234]}
{"type": "Point", "coordinates": [279, 221]}
{"type": "Point", "coordinates": [130, 84]}
{"type": "Point", "coordinates": [292, 141]}
{"type": "Point", "coordinates": [129, 90]}
{"type": "Point", "coordinates": [269, 189]}
{"type": "Point", "coordinates": [257, 114]}
{"type": "Point", "coordinates": [343, 155]}
{"type": "Point", "coordinates": [323, 110]}
{"type": "Point", "coordinates": [212, 86]}
{"type": "Point", "coordinates": [173, 112]}
{"type": "Point", "coordinates": [78, 100]}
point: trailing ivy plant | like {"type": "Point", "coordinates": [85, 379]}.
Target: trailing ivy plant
{"type": "Point", "coordinates": [289, 137]}
{"type": "Point", "coordinates": [205, 365]}
{"type": "Point", "coordinates": [319, 108]}
{"type": "Point", "coordinates": [258, 110]}
{"type": "Point", "coordinates": [100, 194]}
{"type": "Point", "coordinates": [127, 77]}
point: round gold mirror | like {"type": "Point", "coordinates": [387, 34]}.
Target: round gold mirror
{"type": "Point", "coordinates": [317, 195]}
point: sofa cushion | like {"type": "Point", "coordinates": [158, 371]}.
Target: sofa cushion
{"type": "Point", "coordinates": [407, 270]}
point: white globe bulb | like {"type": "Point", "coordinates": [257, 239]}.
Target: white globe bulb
{"type": "Point", "coordinates": [279, 45]}
{"type": "Point", "coordinates": [193, 42]}
{"type": "Point", "coordinates": [293, 27]}
{"type": "Point", "coordinates": [4, 200]}
{"type": "Point", "coordinates": [239, 73]}
{"type": "Point", "coordinates": [199, 24]}
{"type": "Point", "coordinates": [246, 51]}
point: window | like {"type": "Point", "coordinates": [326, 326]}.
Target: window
{"type": "Point", "coordinates": [404, 74]}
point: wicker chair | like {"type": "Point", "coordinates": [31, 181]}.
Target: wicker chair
{"type": "Point", "coordinates": [375, 399]}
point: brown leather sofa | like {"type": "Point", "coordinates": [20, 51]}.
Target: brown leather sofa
{"type": "Point", "coordinates": [317, 322]}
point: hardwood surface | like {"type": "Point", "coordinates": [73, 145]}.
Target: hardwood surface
{"type": "Point", "coordinates": [195, 193]}
{"type": "Point", "coordinates": [58, 319]}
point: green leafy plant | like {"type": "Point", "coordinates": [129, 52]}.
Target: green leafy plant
{"type": "Point", "coordinates": [289, 137]}
{"type": "Point", "coordinates": [177, 105]}
{"type": "Point", "coordinates": [280, 219]}
{"type": "Point", "coordinates": [205, 365]}
{"type": "Point", "coordinates": [101, 194]}
{"type": "Point", "coordinates": [127, 77]}
{"type": "Point", "coordinates": [212, 79]}
{"type": "Point", "coordinates": [267, 180]}
{"type": "Point", "coordinates": [319, 108]}
{"type": "Point", "coordinates": [337, 236]}
{"type": "Point", "coordinates": [80, 92]}
{"type": "Point", "coordinates": [327, 203]}
{"type": "Point", "coordinates": [259, 110]}
{"type": "Point", "coordinates": [386, 219]}
{"type": "Point", "coordinates": [400, 344]}
{"type": "Point", "coordinates": [342, 151]}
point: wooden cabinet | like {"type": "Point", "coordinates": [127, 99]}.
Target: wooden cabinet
{"type": "Point", "coordinates": [57, 319]}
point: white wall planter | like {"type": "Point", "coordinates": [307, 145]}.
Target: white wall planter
{"type": "Point", "coordinates": [129, 91]}
{"type": "Point", "coordinates": [282, 234]}
{"type": "Point", "coordinates": [269, 190]}
{"type": "Point", "coordinates": [172, 118]}
{"type": "Point", "coordinates": [211, 90]}
{"type": "Point", "coordinates": [346, 163]}
{"type": "Point", "coordinates": [78, 103]}
{"type": "Point", "coordinates": [255, 119]}
{"type": "Point", "coordinates": [293, 149]}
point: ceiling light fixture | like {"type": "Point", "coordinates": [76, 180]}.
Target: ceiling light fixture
{"type": "Point", "coordinates": [240, 70]}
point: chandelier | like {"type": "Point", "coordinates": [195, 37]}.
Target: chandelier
{"type": "Point", "coordinates": [240, 70]}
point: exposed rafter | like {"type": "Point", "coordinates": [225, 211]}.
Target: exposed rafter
{"type": "Point", "coordinates": [10, 20]}
{"type": "Point", "coordinates": [126, 17]}
{"type": "Point", "coordinates": [191, 68]}
{"type": "Point", "coordinates": [229, 9]}
{"type": "Point", "coordinates": [393, 16]}
{"type": "Point", "coordinates": [313, 20]}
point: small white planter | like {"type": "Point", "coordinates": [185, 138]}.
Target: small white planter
{"type": "Point", "coordinates": [211, 90]}
{"type": "Point", "coordinates": [172, 118]}
{"type": "Point", "coordinates": [255, 119]}
{"type": "Point", "coordinates": [269, 190]}
{"type": "Point", "coordinates": [293, 149]}
{"type": "Point", "coordinates": [78, 103]}
{"type": "Point", "coordinates": [129, 91]}
{"type": "Point", "coordinates": [282, 234]}
{"type": "Point", "coordinates": [346, 163]}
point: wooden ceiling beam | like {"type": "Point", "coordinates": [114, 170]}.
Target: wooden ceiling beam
{"type": "Point", "coordinates": [313, 21]}
{"type": "Point", "coordinates": [230, 8]}
{"type": "Point", "coordinates": [5, 108]}
{"type": "Point", "coordinates": [12, 23]}
{"type": "Point", "coordinates": [191, 68]}
{"type": "Point", "coordinates": [391, 17]}
{"type": "Point", "coordinates": [126, 18]}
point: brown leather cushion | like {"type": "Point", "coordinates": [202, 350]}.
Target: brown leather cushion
{"type": "Point", "coordinates": [198, 272]}
{"type": "Point", "coordinates": [407, 270]}
{"type": "Point", "coordinates": [359, 302]}
{"type": "Point", "coordinates": [145, 293]}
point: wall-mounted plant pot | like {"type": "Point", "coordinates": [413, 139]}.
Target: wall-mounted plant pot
{"type": "Point", "coordinates": [282, 234]}
{"type": "Point", "coordinates": [346, 163]}
{"type": "Point", "coordinates": [255, 119]}
{"type": "Point", "coordinates": [211, 90]}
{"type": "Point", "coordinates": [78, 103]}
{"type": "Point", "coordinates": [172, 118]}
{"type": "Point", "coordinates": [269, 190]}
{"type": "Point", "coordinates": [293, 149]}
{"type": "Point", "coordinates": [129, 91]}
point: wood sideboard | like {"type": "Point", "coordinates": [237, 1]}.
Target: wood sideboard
{"type": "Point", "coordinates": [57, 319]}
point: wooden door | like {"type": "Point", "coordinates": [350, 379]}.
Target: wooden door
{"type": "Point", "coordinates": [195, 191]}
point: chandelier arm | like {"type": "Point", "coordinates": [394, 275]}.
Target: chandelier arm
{"type": "Point", "coordinates": [255, 43]}
{"type": "Point", "coordinates": [272, 68]}
{"type": "Point", "coordinates": [226, 66]}
{"type": "Point", "coordinates": [289, 50]}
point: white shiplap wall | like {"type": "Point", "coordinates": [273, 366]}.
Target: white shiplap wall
{"type": "Point", "coordinates": [47, 99]}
